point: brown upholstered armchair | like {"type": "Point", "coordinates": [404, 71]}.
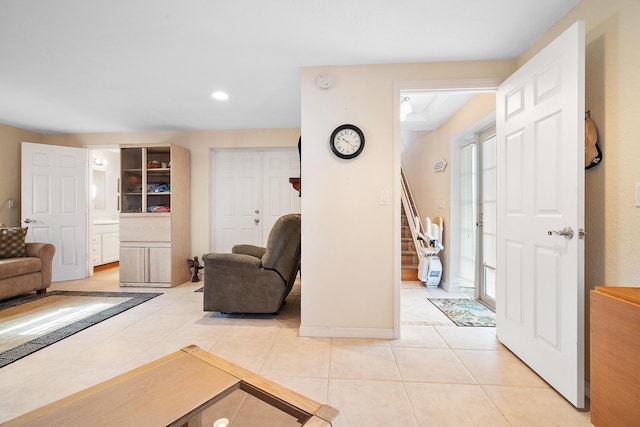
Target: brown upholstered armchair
{"type": "Point", "coordinates": [254, 279]}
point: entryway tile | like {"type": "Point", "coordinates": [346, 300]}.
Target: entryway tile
{"type": "Point", "coordinates": [419, 336]}
{"type": "Point", "coordinates": [369, 362]}
{"type": "Point", "coordinates": [248, 352]}
{"type": "Point", "coordinates": [453, 405]}
{"type": "Point", "coordinates": [469, 337]}
{"type": "Point", "coordinates": [498, 367]}
{"type": "Point", "coordinates": [308, 359]}
{"type": "Point", "coordinates": [534, 407]}
{"type": "Point", "coordinates": [370, 403]}
{"type": "Point", "coordinates": [431, 365]}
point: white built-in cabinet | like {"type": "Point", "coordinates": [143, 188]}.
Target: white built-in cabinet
{"type": "Point", "coordinates": [155, 215]}
{"type": "Point", "coordinates": [105, 243]}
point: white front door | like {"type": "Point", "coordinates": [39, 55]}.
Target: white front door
{"type": "Point", "coordinates": [237, 199]}
{"type": "Point", "coordinates": [540, 151]}
{"type": "Point", "coordinates": [54, 204]}
{"type": "Point", "coordinates": [487, 217]}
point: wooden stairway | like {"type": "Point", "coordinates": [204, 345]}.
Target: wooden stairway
{"type": "Point", "coordinates": [409, 254]}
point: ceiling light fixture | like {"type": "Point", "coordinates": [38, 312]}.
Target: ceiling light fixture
{"type": "Point", "coordinates": [405, 108]}
{"type": "Point", "coordinates": [220, 95]}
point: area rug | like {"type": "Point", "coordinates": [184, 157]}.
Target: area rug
{"type": "Point", "coordinates": [465, 312]}
{"type": "Point", "coordinates": [31, 322]}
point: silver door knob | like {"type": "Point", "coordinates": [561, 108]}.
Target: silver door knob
{"type": "Point", "coordinates": [28, 221]}
{"type": "Point", "coordinates": [256, 221]}
{"type": "Point", "coordinates": [567, 232]}
{"type": "Point", "coordinates": [257, 211]}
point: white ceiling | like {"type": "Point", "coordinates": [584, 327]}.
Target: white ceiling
{"type": "Point", "coordinates": [69, 66]}
{"type": "Point", "coordinates": [429, 110]}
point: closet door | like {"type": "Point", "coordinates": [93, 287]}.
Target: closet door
{"type": "Point", "coordinates": [251, 191]}
{"type": "Point", "coordinates": [237, 199]}
{"type": "Point", "coordinates": [278, 196]}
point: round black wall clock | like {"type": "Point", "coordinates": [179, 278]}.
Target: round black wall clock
{"type": "Point", "coordinates": [347, 141]}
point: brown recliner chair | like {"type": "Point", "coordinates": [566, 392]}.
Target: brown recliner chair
{"type": "Point", "coordinates": [254, 279]}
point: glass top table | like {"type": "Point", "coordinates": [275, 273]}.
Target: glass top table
{"type": "Point", "coordinates": [188, 388]}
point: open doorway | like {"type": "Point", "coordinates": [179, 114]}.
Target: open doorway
{"type": "Point", "coordinates": [431, 133]}
{"type": "Point", "coordinates": [104, 207]}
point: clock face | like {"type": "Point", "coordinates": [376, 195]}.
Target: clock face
{"type": "Point", "coordinates": [347, 141]}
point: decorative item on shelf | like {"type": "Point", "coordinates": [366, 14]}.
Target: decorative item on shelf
{"type": "Point", "coordinates": [153, 164]}
{"type": "Point", "coordinates": [194, 267]}
{"type": "Point", "coordinates": [134, 184]}
{"type": "Point", "coordinates": [158, 209]}
{"type": "Point", "coordinates": [295, 183]}
{"type": "Point", "coordinates": [158, 187]}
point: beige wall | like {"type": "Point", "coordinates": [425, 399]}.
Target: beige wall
{"type": "Point", "coordinates": [349, 238]}
{"type": "Point", "coordinates": [422, 150]}
{"type": "Point", "coordinates": [10, 139]}
{"type": "Point", "coordinates": [200, 143]}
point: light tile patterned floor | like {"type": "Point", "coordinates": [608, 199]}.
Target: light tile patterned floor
{"type": "Point", "coordinates": [436, 374]}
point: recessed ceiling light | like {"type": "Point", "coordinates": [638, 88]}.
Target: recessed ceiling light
{"type": "Point", "coordinates": [220, 95]}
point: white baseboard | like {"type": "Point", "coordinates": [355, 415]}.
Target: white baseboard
{"type": "Point", "coordinates": [448, 286]}
{"type": "Point", "coordinates": [328, 332]}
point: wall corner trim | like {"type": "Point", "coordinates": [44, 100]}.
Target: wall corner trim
{"type": "Point", "coordinates": [332, 332]}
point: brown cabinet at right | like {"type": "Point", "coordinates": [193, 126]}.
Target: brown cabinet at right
{"type": "Point", "coordinates": [615, 356]}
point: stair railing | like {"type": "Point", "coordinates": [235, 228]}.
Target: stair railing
{"type": "Point", "coordinates": [411, 211]}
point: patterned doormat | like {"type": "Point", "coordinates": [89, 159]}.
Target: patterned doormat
{"type": "Point", "coordinates": [465, 312]}
{"type": "Point", "coordinates": [31, 322]}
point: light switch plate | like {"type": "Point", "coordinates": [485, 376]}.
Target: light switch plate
{"type": "Point", "coordinates": [441, 204]}
{"type": "Point", "coordinates": [384, 197]}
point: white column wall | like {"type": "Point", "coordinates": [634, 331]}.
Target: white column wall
{"type": "Point", "coordinates": [350, 242]}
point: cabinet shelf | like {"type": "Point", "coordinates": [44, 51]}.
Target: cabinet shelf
{"type": "Point", "coordinates": [155, 225]}
{"type": "Point", "coordinates": [145, 214]}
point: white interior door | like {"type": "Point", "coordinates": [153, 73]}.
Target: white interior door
{"type": "Point", "coordinates": [278, 196]}
{"type": "Point", "coordinates": [237, 199]}
{"type": "Point", "coordinates": [54, 204]}
{"type": "Point", "coordinates": [251, 191]}
{"type": "Point", "coordinates": [540, 151]}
